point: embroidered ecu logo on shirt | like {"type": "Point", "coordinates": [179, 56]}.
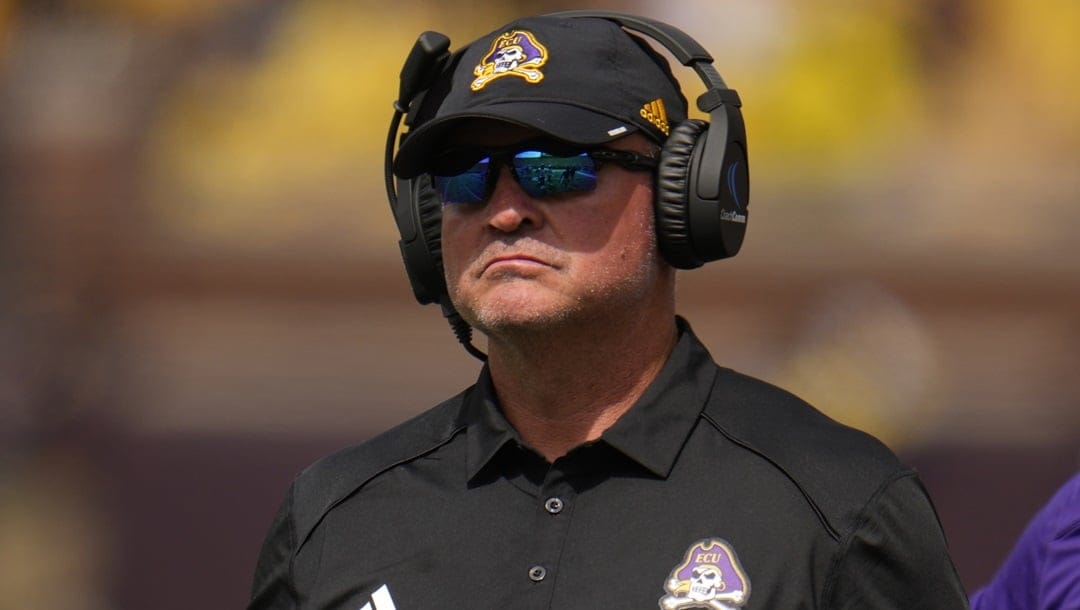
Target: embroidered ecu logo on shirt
{"type": "Point", "coordinates": [709, 577]}
{"type": "Point", "coordinates": [515, 53]}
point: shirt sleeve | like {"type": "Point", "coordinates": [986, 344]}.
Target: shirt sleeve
{"type": "Point", "coordinates": [1060, 586]}
{"type": "Point", "coordinates": [1043, 569]}
{"type": "Point", "coordinates": [272, 588]}
{"type": "Point", "coordinates": [896, 556]}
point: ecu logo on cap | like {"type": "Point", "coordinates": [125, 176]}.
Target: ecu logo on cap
{"type": "Point", "coordinates": [515, 53]}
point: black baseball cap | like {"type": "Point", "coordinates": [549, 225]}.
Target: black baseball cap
{"type": "Point", "coordinates": [578, 80]}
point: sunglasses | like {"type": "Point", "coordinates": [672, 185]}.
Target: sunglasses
{"type": "Point", "coordinates": [542, 169]}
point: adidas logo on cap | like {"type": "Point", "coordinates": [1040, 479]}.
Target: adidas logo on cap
{"type": "Point", "coordinates": [655, 113]}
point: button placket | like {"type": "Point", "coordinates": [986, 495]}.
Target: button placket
{"type": "Point", "coordinates": [550, 527]}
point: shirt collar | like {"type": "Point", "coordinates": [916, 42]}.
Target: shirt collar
{"type": "Point", "coordinates": [652, 432]}
{"type": "Point", "coordinates": [488, 430]}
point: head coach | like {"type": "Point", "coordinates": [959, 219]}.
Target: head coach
{"type": "Point", "coordinates": [547, 188]}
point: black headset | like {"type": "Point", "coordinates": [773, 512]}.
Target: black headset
{"type": "Point", "coordinates": [702, 181]}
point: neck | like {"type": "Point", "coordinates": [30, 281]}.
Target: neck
{"type": "Point", "coordinates": [561, 388]}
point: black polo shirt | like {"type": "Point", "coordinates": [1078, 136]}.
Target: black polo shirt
{"type": "Point", "coordinates": [715, 490]}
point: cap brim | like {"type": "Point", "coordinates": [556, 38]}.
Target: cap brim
{"type": "Point", "coordinates": [562, 122]}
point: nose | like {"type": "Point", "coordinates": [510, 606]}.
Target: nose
{"type": "Point", "coordinates": [509, 208]}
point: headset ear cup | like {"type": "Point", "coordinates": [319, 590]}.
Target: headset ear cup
{"type": "Point", "coordinates": [428, 206]}
{"type": "Point", "coordinates": [672, 207]}
{"type": "Point", "coordinates": [418, 213]}
{"type": "Point", "coordinates": [429, 213]}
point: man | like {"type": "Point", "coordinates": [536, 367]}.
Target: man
{"type": "Point", "coordinates": [602, 460]}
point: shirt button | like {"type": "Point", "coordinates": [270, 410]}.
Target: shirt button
{"type": "Point", "coordinates": [537, 573]}
{"type": "Point", "coordinates": [553, 506]}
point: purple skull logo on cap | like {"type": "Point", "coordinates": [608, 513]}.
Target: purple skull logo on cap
{"type": "Point", "coordinates": [514, 53]}
{"type": "Point", "coordinates": [709, 577]}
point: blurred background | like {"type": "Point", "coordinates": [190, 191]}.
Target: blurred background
{"type": "Point", "coordinates": [200, 290]}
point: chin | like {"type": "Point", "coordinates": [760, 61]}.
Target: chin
{"type": "Point", "coordinates": [511, 310]}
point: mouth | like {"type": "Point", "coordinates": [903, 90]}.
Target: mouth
{"type": "Point", "coordinates": [514, 260]}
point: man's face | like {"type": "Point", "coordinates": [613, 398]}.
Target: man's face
{"type": "Point", "coordinates": [516, 262]}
